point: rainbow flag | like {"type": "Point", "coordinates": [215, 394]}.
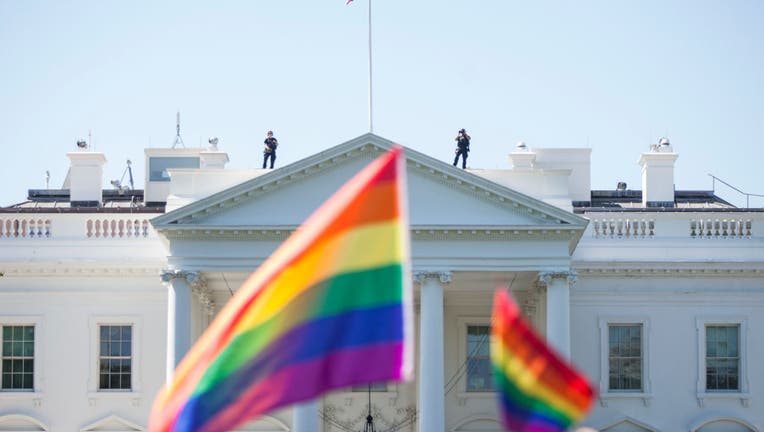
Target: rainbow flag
{"type": "Point", "coordinates": [331, 308]}
{"type": "Point", "coordinates": [537, 391]}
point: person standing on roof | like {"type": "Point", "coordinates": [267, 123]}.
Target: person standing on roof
{"type": "Point", "coordinates": [269, 151]}
{"type": "Point", "coordinates": [462, 147]}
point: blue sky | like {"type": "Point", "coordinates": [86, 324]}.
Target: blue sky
{"type": "Point", "coordinates": [612, 76]}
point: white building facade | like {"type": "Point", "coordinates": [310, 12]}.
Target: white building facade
{"type": "Point", "coordinates": [657, 295]}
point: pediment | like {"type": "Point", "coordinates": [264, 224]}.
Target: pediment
{"type": "Point", "coordinates": [627, 424]}
{"type": "Point", "coordinates": [478, 423]}
{"type": "Point", "coordinates": [264, 424]}
{"type": "Point", "coordinates": [112, 423]}
{"type": "Point", "coordinates": [440, 196]}
{"type": "Point", "coordinates": [18, 423]}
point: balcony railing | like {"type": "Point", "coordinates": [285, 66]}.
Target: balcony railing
{"type": "Point", "coordinates": [623, 228]}
{"type": "Point", "coordinates": [73, 227]}
{"type": "Point", "coordinates": [118, 228]}
{"type": "Point", "coordinates": [25, 227]}
{"type": "Point", "coordinates": [720, 228]}
{"type": "Point", "coordinates": [697, 227]}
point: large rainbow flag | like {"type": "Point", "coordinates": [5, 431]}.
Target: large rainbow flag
{"type": "Point", "coordinates": [537, 391]}
{"type": "Point", "coordinates": [330, 308]}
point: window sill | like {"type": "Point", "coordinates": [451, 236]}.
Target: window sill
{"type": "Point", "coordinates": [744, 397]}
{"type": "Point", "coordinates": [608, 396]}
{"type": "Point", "coordinates": [134, 398]}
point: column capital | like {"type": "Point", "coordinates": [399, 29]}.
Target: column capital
{"type": "Point", "coordinates": [444, 276]}
{"type": "Point", "coordinates": [571, 276]}
{"type": "Point", "coordinates": [192, 277]}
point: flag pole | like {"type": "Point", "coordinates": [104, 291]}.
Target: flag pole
{"type": "Point", "coordinates": [371, 121]}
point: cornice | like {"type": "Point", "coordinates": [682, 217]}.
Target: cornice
{"type": "Point", "coordinates": [675, 270]}
{"type": "Point", "coordinates": [79, 270]}
{"type": "Point", "coordinates": [476, 233]}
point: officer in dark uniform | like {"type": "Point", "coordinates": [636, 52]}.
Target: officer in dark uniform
{"type": "Point", "coordinates": [462, 147]}
{"type": "Point", "coordinates": [270, 149]}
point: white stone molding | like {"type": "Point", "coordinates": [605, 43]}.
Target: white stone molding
{"type": "Point", "coordinates": [445, 277]}
{"type": "Point", "coordinates": [21, 422]}
{"type": "Point", "coordinates": [710, 419]}
{"type": "Point", "coordinates": [191, 277]}
{"type": "Point", "coordinates": [204, 295]}
{"type": "Point", "coordinates": [546, 277]}
{"type": "Point", "coordinates": [198, 284]}
{"type": "Point", "coordinates": [112, 423]}
{"type": "Point", "coordinates": [77, 270]}
{"type": "Point", "coordinates": [646, 269]}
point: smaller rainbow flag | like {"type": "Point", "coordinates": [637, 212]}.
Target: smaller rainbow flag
{"type": "Point", "coordinates": [537, 390]}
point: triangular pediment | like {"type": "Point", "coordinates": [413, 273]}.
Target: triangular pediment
{"type": "Point", "coordinates": [112, 423]}
{"type": "Point", "coordinates": [440, 196]}
{"type": "Point", "coordinates": [627, 424]}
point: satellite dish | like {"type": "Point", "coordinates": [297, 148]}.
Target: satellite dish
{"type": "Point", "coordinates": [82, 144]}
{"type": "Point", "coordinates": [213, 142]}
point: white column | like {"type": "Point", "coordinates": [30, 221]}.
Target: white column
{"type": "Point", "coordinates": [179, 285]}
{"type": "Point", "coordinates": [305, 417]}
{"type": "Point", "coordinates": [431, 356]}
{"type": "Point", "coordinates": [558, 308]}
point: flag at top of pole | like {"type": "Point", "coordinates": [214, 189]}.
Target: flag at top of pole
{"type": "Point", "coordinates": [331, 308]}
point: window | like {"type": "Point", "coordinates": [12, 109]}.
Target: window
{"type": "Point", "coordinates": [625, 357]}
{"type": "Point", "coordinates": [478, 361]}
{"type": "Point", "coordinates": [17, 358]}
{"type": "Point", "coordinates": [722, 364]}
{"type": "Point", "coordinates": [722, 357]}
{"type": "Point", "coordinates": [115, 361]}
{"type": "Point", "coordinates": [158, 166]}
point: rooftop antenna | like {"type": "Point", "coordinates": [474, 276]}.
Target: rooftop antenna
{"type": "Point", "coordinates": [178, 139]}
{"type": "Point", "coordinates": [118, 183]}
{"type": "Point", "coordinates": [47, 179]}
{"type": "Point", "coordinates": [90, 139]}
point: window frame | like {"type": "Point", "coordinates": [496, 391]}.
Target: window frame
{"type": "Point", "coordinates": [605, 393]}
{"type": "Point", "coordinates": [35, 392]}
{"type": "Point", "coordinates": [463, 323]}
{"type": "Point", "coordinates": [701, 324]}
{"type": "Point", "coordinates": [95, 323]}
{"type": "Point", "coordinates": [108, 358]}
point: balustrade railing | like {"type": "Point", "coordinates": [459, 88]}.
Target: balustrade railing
{"type": "Point", "coordinates": [25, 227]}
{"type": "Point", "coordinates": [623, 228]}
{"type": "Point", "coordinates": [118, 228]}
{"type": "Point", "coordinates": [720, 228]}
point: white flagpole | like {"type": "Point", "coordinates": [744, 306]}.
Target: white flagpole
{"type": "Point", "coordinates": [371, 121]}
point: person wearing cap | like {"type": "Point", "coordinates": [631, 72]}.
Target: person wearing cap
{"type": "Point", "coordinates": [269, 151]}
{"type": "Point", "coordinates": [462, 147]}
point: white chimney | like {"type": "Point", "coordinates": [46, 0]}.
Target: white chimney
{"type": "Point", "coordinates": [658, 175]}
{"type": "Point", "coordinates": [212, 157]}
{"type": "Point", "coordinates": [86, 178]}
{"type": "Point", "coordinates": [522, 158]}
